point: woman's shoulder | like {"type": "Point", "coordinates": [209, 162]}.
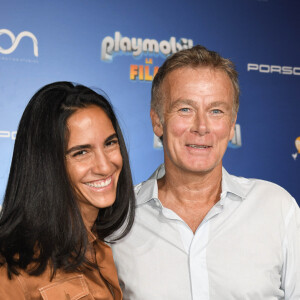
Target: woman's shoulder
{"type": "Point", "coordinates": [21, 286]}
{"type": "Point", "coordinates": [24, 286]}
{"type": "Point", "coordinates": [10, 288]}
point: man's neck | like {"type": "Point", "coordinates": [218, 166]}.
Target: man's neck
{"type": "Point", "coordinates": [191, 195]}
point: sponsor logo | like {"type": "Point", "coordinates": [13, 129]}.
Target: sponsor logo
{"type": "Point", "coordinates": [236, 141]}
{"type": "Point", "coordinates": [284, 70]}
{"type": "Point", "coordinates": [297, 145]}
{"type": "Point", "coordinates": [16, 40]}
{"type": "Point", "coordinates": [137, 46]}
{"type": "Point", "coordinates": [8, 134]}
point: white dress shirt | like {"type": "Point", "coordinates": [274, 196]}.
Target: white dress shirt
{"type": "Point", "coordinates": [247, 246]}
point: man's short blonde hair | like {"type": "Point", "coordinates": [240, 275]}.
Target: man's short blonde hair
{"type": "Point", "coordinates": [196, 57]}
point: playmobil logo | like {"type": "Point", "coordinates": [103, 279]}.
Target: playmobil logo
{"type": "Point", "coordinates": [137, 46]}
{"type": "Point", "coordinates": [285, 70]}
{"type": "Point", "coordinates": [15, 40]}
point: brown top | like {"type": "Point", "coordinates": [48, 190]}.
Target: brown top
{"type": "Point", "coordinates": [87, 285]}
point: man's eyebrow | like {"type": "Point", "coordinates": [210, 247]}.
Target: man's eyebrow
{"type": "Point", "coordinates": [183, 101]}
{"type": "Point", "coordinates": [219, 103]}
{"type": "Point", "coordinates": [78, 147]}
{"type": "Point", "coordinates": [194, 103]}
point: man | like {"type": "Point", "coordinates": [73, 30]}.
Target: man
{"type": "Point", "coordinates": [199, 232]}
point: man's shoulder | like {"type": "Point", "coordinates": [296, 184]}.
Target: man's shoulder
{"type": "Point", "coordinates": [259, 190]}
{"type": "Point", "coordinates": [268, 187]}
{"type": "Point", "coordinates": [257, 184]}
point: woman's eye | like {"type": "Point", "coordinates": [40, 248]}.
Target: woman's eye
{"type": "Point", "coordinates": [112, 143]}
{"type": "Point", "coordinates": [79, 153]}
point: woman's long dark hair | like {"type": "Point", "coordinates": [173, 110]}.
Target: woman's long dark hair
{"type": "Point", "coordinates": [40, 221]}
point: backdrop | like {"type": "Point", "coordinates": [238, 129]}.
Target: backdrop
{"type": "Point", "coordinates": [118, 45]}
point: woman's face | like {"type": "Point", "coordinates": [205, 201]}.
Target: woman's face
{"type": "Point", "coordinates": [93, 158]}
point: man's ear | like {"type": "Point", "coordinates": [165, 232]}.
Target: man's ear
{"type": "Point", "coordinates": [156, 124]}
{"type": "Point", "coordinates": [232, 127]}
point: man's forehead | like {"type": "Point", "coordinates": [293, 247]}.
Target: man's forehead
{"type": "Point", "coordinates": [181, 71]}
{"type": "Point", "coordinates": [183, 76]}
{"type": "Point", "coordinates": [190, 79]}
{"type": "Point", "coordinates": [182, 86]}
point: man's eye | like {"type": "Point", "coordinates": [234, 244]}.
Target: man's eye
{"type": "Point", "coordinates": [185, 109]}
{"type": "Point", "coordinates": [216, 111]}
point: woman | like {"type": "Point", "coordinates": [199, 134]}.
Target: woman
{"type": "Point", "coordinates": [69, 188]}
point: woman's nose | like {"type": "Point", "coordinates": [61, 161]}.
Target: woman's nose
{"type": "Point", "coordinates": [101, 164]}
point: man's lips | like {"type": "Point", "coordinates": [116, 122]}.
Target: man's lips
{"type": "Point", "coordinates": [198, 146]}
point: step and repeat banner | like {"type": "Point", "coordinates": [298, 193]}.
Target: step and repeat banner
{"type": "Point", "coordinates": [118, 46]}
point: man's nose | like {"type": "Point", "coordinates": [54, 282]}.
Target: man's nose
{"type": "Point", "coordinates": [200, 123]}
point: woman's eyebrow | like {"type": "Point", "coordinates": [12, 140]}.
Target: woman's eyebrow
{"type": "Point", "coordinates": [88, 146]}
{"type": "Point", "coordinates": [111, 137]}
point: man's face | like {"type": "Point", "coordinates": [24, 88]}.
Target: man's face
{"type": "Point", "coordinates": [198, 118]}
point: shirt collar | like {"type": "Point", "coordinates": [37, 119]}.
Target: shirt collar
{"type": "Point", "coordinates": [148, 190]}
{"type": "Point", "coordinates": [234, 185]}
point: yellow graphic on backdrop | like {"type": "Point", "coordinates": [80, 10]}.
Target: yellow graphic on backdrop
{"type": "Point", "coordinates": [297, 144]}
{"type": "Point", "coordinates": [143, 72]}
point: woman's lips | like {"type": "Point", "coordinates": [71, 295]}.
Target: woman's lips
{"type": "Point", "coordinates": [100, 183]}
